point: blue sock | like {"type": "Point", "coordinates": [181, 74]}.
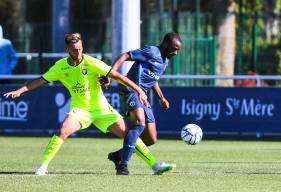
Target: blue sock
{"type": "Point", "coordinates": [130, 143]}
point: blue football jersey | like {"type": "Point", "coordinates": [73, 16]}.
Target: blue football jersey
{"type": "Point", "coordinates": [148, 67]}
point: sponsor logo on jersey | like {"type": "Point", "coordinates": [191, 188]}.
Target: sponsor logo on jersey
{"type": "Point", "coordinates": [153, 75]}
{"type": "Point", "coordinates": [78, 88]}
{"type": "Point", "coordinates": [64, 68]}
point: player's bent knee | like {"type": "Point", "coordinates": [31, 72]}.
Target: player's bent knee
{"type": "Point", "coordinates": [148, 140]}
{"type": "Point", "coordinates": [151, 142]}
{"type": "Point", "coordinates": [64, 133]}
{"type": "Point", "coordinates": [140, 122]}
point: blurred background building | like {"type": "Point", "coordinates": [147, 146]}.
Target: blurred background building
{"type": "Point", "coordinates": [219, 36]}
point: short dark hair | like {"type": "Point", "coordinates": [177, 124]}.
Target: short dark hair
{"type": "Point", "coordinates": [71, 38]}
{"type": "Point", "coordinates": [170, 36]}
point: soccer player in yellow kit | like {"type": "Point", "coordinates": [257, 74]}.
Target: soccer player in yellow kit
{"type": "Point", "coordinates": [80, 73]}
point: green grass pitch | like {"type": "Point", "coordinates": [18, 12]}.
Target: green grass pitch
{"type": "Point", "coordinates": [82, 165]}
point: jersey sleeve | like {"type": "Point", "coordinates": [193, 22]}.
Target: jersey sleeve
{"type": "Point", "coordinates": [142, 54]}
{"type": "Point", "coordinates": [100, 67]}
{"type": "Point", "coordinates": [51, 75]}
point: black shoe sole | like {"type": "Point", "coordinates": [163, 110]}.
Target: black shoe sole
{"type": "Point", "coordinates": [122, 173]}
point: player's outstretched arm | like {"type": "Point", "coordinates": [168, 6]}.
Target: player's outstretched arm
{"type": "Point", "coordinates": [162, 100]}
{"type": "Point", "coordinates": [120, 60]}
{"type": "Point", "coordinates": [104, 80]}
{"type": "Point", "coordinates": [26, 87]}
{"type": "Point", "coordinates": [127, 82]}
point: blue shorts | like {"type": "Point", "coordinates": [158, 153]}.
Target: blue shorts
{"type": "Point", "coordinates": [131, 101]}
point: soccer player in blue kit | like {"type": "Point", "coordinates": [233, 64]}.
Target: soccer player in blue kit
{"type": "Point", "coordinates": [150, 63]}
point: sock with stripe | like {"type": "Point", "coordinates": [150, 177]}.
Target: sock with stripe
{"type": "Point", "coordinates": [52, 148]}
{"type": "Point", "coordinates": [142, 151]}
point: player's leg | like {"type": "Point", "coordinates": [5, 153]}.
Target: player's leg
{"type": "Point", "coordinates": [70, 125]}
{"type": "Point", "coordinates": [119, 129]}
{"type": "Point", "coordinates": [148, 137]}
{"type": "Point", "coordinates": [129, 143]}
{"type": "Point", "coordinates": [130, 102]}
{"type": "Point", "coordinates": [141, 150]}
{"type": "Point", "coordinates": [137, 119]}
{"type": "Point", "coordinates": [149, 134]}
{"type": "Point", "coordinates": [134, 109]}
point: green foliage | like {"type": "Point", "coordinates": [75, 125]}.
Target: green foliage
{"type": "Point", "coordinates": [252, 6]}
{"type": "Point", "coordinates": [7, 8]}
{"type": "Point", "coordinates": [81, 165]}
{"type": "Point", "coordinates": [257, 12]}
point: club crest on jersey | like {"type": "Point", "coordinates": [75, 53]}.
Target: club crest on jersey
{"type": "Point", "coordinates": [132, 103]}
{"type": "Point", "coordinates": [84, 71]}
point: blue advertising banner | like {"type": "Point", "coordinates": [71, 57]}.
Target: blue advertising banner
{"type": "Point", "coordinates": [218, 111]}
{"type": "Point", "coordinates": [222, 111]}
{"type": "Point", "coordinates": [40, 110]}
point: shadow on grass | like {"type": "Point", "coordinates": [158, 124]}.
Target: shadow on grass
{"type": "Point", "coordinates": [53, 173]}
{"type": "Point", "coordinates": [87, 173]}
{"type": "Point", "coordinates": [16, 173]}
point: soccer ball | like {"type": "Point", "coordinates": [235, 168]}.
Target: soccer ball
{"type": "Point", "coordinates": [191, 134]}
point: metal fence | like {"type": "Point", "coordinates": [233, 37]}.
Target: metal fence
{"type": "Point", "coordinates": [168, 80]}
{"type": "Point", "coordinates": [255, 50]}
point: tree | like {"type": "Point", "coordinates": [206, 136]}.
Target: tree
{"type": "Point", "coordinates": [224, 28]}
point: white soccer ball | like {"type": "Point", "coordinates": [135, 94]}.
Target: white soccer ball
{"type": "Point", "coordinates": [191, 134]}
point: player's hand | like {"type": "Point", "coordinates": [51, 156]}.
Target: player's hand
{"type": "Point", "coordinates": [164, 103]}
{"type": "Point", "coordinates": [103, 80]}
{"type": "Point", "coordinates": [12, 94]}
{"type": "Point", "coordinates": [143, 97]}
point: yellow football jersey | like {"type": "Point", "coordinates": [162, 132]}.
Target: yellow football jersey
{"type": "Point", "coordinates": [81, 81]}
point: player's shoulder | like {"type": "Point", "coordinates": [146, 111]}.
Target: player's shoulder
{"type": "Point", "coordinates": [86, 56]}
{"type": "Point", "coordinates": [93, 62]}
{"type": "Point", "coordinates": [61, 62]}
{"type": "Point", "coordinates": [151, 49]}
{"type": "Point", "coordinates": [89, 59]}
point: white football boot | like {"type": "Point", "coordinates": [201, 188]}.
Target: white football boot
{"type": "Point", "coordinates": [160, 168]}
{"type": "Point", "coordinates": [42, 170]}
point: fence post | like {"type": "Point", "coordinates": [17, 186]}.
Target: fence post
{"type": "Point", "coordinates": [240, 38]}
{"type": "Point", "coordinates": [213, 53]}
{"type": "Point", "coordinates": [254, 46]}
{"type": "Point", "coordinates": [175, 67]}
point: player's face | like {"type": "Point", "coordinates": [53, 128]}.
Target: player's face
{"type": "Point", "coordinates": [173, 48]}
{"type": "Point", "coordinates": [75, 50]}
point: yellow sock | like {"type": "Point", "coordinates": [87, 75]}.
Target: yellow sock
{"type": "Point", "coordinates": [51, 150]}
{"type": "Point", "coordinates": [143, 152]}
